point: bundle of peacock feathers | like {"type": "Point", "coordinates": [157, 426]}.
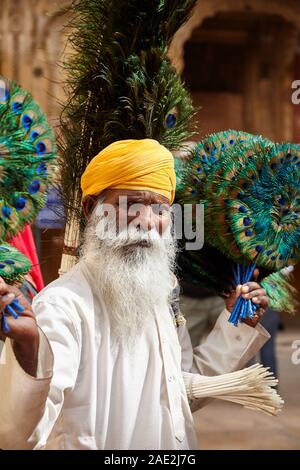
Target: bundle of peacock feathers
{"type": "Point", "coordinates": [27, 152]}
{"type": "Point", "coordinates": [250, 188]}
{"type": "Point", "coordinates": [121, 85]}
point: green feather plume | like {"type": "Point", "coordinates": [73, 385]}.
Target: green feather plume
{"type": "Point", "coordinates": [282, 295]}
{"type": "Point", "coordinates": [121, 84]}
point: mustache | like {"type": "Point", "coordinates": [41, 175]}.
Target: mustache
{"type": "Point", "coordinates": [129, 236]}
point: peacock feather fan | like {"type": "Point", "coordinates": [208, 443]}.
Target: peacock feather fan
{"type": "Point", "coordinates": [121, 84]}
{"type": "Point", "coordinates": [250, 188]}
{"type": "Point", "coordinates": [27, 152]}
{"type": "Point", "coordinates": [13, 265]}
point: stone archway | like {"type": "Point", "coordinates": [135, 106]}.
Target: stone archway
{"type": "Point", "coordinates": [289, 10]}
{"type": "Point", "coordinates": [273, 47]}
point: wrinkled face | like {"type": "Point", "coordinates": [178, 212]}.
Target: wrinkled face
{"type": "Point", "coordinates": [144, 210]}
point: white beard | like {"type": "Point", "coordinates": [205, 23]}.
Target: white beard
{"type": "Point", "coordinates": [130, 279]}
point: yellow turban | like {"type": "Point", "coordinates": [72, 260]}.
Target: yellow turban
{"type": "Point", "coordinates": [131, 164]}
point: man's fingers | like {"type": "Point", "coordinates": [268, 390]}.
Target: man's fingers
{"type": "Point", "coordinates": [6, 300]}
{"type": "Point", "coordinates": [238, 290]}
{"type": "Point", "coordinates": [262, 301]}
{"type": "Point", "coordinates": [255, 293]}
{"type": "Point", "coordinates": [3, 288]}
{"type": "Point", "coordinates": [250, 286]}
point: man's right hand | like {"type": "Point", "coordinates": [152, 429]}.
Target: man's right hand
{"type": "Point", "coordinates": [23, 331]}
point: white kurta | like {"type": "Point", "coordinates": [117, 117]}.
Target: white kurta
{"type": "Point", "coordinates": [91, 395]}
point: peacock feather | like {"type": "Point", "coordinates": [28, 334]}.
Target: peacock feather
{"type": "Point", "coordinates": [250, 189]}
{"type": "Point", "coordinates": [27, 152]}
{"type": "Point", "coordinates": [13, 265]}
{"type": "Point", "coordinates": [121, 84]}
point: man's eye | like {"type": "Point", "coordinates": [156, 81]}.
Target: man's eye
{"type": "Point", "coordinates": [160, 209]}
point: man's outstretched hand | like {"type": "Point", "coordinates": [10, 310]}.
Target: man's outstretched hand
{"type": "Point", "coordinates": [23, 330]}
{"type": "Point", "coordinates": [251, 290]}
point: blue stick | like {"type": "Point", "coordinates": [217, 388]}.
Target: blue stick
{"type": "Point", "coordinates": [10, 309]}
{"type": "Point", "coordinates": [243, 308]}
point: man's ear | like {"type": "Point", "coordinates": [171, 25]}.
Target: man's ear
{"type": "Point", "coordinates": [88, 205]}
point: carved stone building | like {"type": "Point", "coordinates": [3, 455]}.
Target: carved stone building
{"type": "Point", "coordinates": [239, 58]}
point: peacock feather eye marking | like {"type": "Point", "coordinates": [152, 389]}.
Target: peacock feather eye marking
{"type": "Point", "coordinates": [247, 221]}
{"type": "Point", "coordinates": [40, 148]}
{"type": "Point", "coordinates": [6, 211]}
{"type": "Point", "coordinates": [171, 118]}
{"type": "Point", "coordinates": [17, 107]}
{"type": "Point", "coordinates": [26, 121]}
{"type": "Point", "coordinates": [41, 169]}
{"type": "Point", "coordinates": [34, 135]}
{"type": "Point", "coordinates": [248, 233]}
{"type": "Point", "coordinates": [2, 266]}
{"type": "Point", "coordinates": [171, 121]}
{"type": "Point", "coordinates": [20, 203]}
{"type": "Point", "coordinates": [282, 201]}
{"type": "Point", "coordinates": [9, 261]}
{"type": "Point", "coordinates": [259, 248]}
{"type": "Point", "coordinates": [34, 187]}
{"type": "Point", "coordinates": [242, 209]}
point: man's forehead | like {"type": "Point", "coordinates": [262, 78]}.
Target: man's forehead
{"type": "Point", "coordinates": [150, 197]}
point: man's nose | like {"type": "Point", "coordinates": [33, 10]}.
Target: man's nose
{"type": "Point", "coordinates": [146, 218]}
